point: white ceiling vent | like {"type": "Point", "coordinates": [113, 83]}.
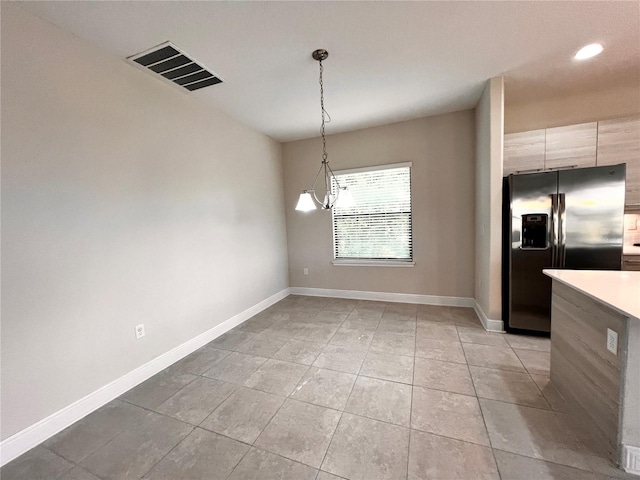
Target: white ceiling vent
{"type": "Point", "coordinates": [167, 61]}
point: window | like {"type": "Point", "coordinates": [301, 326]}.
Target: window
{"type": "Point", "coordinates": [377, 228]}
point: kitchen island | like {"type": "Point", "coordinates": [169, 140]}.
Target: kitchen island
{"type": "Point", "coordinates": [595, 355]}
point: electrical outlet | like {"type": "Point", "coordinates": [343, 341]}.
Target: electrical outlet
{"type": "Point", "coordinates": [139, 331]}
{"type": "Point", "coordinates": [612, 341]}
{"type": "Point", "coordinates": [306, 271]}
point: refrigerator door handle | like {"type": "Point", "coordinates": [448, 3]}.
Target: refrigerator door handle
{"type": "Point", "coordinates": [562, 231]}
{"type": "Point", "coordinates": [554, 230]}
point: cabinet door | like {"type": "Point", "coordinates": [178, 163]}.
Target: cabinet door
{"type": "Point", "coordinates": [571, 146]}
{"type": "Point", "coordinates": [523, 151]}
{"type": "Point", "coordinates": [619, 142]}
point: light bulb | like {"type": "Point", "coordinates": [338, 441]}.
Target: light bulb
{"type": "Point", "coordinates": [589, 51]}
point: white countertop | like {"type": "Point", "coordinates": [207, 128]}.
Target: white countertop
{"type": "Point", "coordinates": [619, 290]}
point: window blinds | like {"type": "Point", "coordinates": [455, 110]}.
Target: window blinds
{"type": "Point", "coordinates": [378, 225]}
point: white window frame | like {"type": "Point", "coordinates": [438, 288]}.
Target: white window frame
{"type": "Point", "coordinates": [359, 262]}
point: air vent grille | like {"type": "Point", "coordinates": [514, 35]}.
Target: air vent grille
{"type": "Point", "coordinates": [172, 64]}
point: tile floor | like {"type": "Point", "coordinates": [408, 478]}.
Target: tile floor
{"type": "Point", "coordinates": [319, 389]}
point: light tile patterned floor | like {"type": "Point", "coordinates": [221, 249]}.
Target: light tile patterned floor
{"type": "Point", "coordinates": [325, 389]}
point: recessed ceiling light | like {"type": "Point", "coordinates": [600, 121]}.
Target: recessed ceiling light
{"type": "Point", "coordinates": [588, 51]}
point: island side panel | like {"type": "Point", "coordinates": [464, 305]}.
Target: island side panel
{"type": "Point", "coordinates": [587, 375]}
{"type": "Point", "coordinates": [631, 404]}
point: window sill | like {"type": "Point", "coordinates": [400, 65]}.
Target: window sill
{"type": "Point", "coordinates": [372, 263]}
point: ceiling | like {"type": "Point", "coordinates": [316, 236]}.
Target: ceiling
{"type": "Point", "coordinates": [388, 61]}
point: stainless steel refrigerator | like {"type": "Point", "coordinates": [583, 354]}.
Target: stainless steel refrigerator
{"type": "Point", "coordinates": [557, 219]}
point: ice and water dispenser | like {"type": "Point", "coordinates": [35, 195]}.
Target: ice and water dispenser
{"type": "Point", "coordinates": [534, 231]}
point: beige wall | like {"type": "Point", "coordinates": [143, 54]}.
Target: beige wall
{"type": "Point", "coordinates": [442, 151]}
{"type": "Point", "coordinates": [619, 101]}
{"type": "Point", "coordinates": [123, 202]}
{"type": "Point", "coordinates": [488, 198]}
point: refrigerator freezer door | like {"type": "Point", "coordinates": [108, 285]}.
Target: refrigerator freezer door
{"type": "Point", "coordinates": [530, 290]}
{"type": "Point", "coordinates": [592, 222]}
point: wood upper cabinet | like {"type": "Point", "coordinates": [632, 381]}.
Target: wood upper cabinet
{"type": "Point", "coordinates": [523, 151]}
{"type": "Point", "coordinates": [571, 146]}
{"type": "Point", "coordinates": [608, 142]}
{"type": "Point", "coordinates": [619, 142]}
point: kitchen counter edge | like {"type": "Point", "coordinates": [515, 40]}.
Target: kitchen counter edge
{"type": "Point", "coordinates": [619, 290]}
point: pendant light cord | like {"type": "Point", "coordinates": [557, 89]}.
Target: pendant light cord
{"type": "Point", "coordinates": [327, 174]}
{"type": "Point", "coordinates": [324, 142]}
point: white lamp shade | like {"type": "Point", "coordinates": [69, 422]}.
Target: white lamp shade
{"type": "Point", "coordinates": [305, 202]}
{"type": "Point", "coordinates": [345, 199]}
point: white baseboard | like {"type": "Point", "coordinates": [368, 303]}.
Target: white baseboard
{"type": "Point", "coordinates": [489, 324]}
{"type": "Point", "coordinates": [35, 434]}
{"type": "Point", "coordinates": [631, 459]}
{"type": "Point", "coordinates": [386, 297]}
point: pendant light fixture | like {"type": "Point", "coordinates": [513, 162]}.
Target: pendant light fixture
{"type": "Point", "coordinates": [342, 196]}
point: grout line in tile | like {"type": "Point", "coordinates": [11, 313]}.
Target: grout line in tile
{"type": "Point", "coordinates": [271, 453]}
{"type": "Point", "coordinates": [447, 361]}
{"type": "Point", "coordinates": [316, 405]}
{"type": "Point", "coordinates": [408, 427]}
{"type": "Point", "coordinates": [270, 420]}
{"type": "Point", "coordinates": [157, 413]}
{"type": "Point", "coordinates": [493, 367]}
{"type": "Point", "coordinates": [473, 384]}
{"type": "Point", "coordinates": [586, 469]}
{"type": "Point", "coordinates": [446, 391]}
{"type": "Point", "coordinates": [170, 450]}
{"type": "Point", "coordinates": [324, 457]}
{"type": "Point", "coordinates": [525, 367]}
{"type": "Point", "coordinates": [499, 369]}
{"type": "Point", "coordinates": [223, 435]}
{"type": "Point", "coordinates": [144, 408]}
{"type": "Point", "coordinates": [296, 385]}
{"type": "Point", "coordinates": [545, 396]}
{"type": "Point", "coordinates": [526, 406]}
{"type": "Point", "coordinates": [528, 349]}
{"type": "Point", "coordinates": [73, 464]}
{"type": "Point", "coordinates": [484, 422]}
{"type": "Point", "coordinates": [225, 398]}
{"type": "Point", "coordinates": [385, 379]}
{"type": "Point", "coordinates": [340, 419]}
{"type": "Point", "coordinates": [513, 403]}
{"type": "Point", "coordinates": [239, 461]}
{"type": "Point", "coordinates": [95, 449]}
{"type": "Point", "coordinates": [291, 459]}
{"type": "Point", "coordinates": [452, 438]}
{"type": "Point", "coordinates": [413, 380]}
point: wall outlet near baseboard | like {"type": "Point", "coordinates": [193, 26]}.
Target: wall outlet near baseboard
{"type": "Point", "coordinates": [140, 331]}
{"type": "Point", "coordinates": [305, 271]}
{"type": "Point", "coordinates": [612, 341]}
